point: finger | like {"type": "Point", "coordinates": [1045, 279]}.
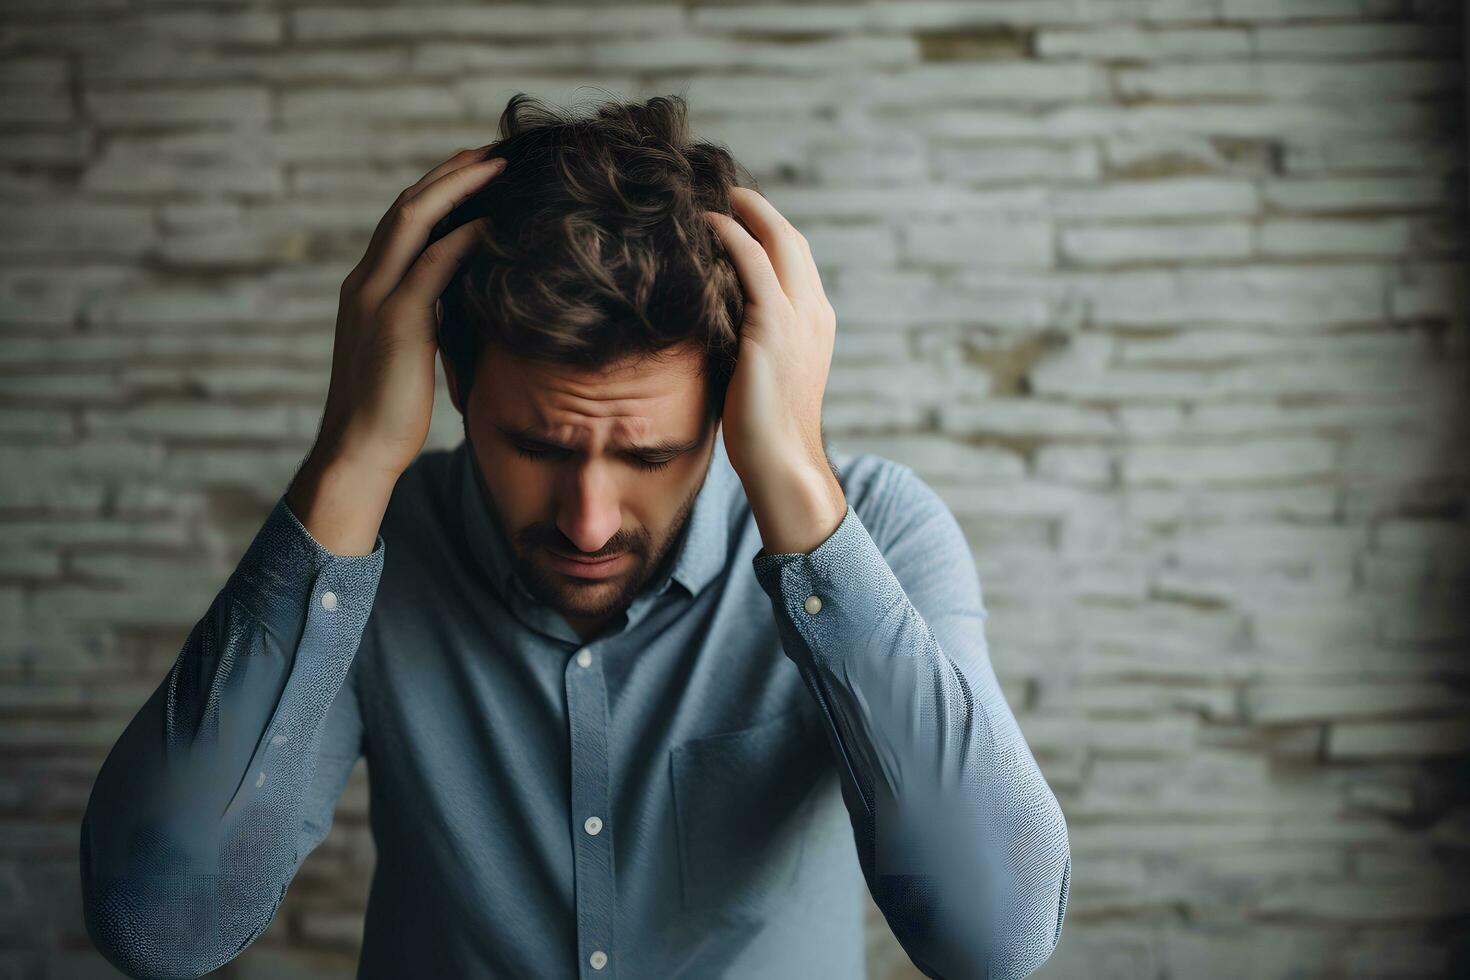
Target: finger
{"type": "Point", "coordinates": [758, 280]}
{"type": "Point", "coordinates": [460, 159]}
{"type": "Point", "coordinates": [380, 234]}
{"type": "Point", "coordinates": [790, 255]}
{"type": "Point", "coordinates": [429, 275]}
{"type": "Point", "coordinates": [411, 222]}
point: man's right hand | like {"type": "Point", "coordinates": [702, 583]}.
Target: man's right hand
{"type": "Point", "coordinates": [381, 395]}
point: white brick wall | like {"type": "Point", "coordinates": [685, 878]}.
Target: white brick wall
{"type": "Point", "coordinates": [1166, 297]}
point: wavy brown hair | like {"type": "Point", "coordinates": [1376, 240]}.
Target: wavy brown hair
{"type": "Point", "coordinates": [596, 247]}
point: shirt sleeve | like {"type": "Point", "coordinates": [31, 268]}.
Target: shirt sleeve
{"type": "Point", "coordinates": [229, 774]}
{"type": "Point", "coordinates": [962, 842]}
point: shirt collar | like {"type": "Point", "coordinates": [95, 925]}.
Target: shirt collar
{"type": "Point", "coordinates": [699, 556]}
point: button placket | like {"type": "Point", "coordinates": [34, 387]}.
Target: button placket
{"type": "Point", "coordinates": [592, 856]}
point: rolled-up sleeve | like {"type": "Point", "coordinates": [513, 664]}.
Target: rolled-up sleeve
{"type": "Point", "coordinates": [962, 842]}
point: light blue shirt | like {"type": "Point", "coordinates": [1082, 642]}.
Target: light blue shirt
{"type": "Point", "coordinates": [703, 790]}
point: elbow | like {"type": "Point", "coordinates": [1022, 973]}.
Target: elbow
{"type": "Point", "coordinates": [123, 925]}
{"type": "Point", "coordinates": [1040, 892]}
{"type": "Point", "coordinates": [1021, 907]}
{"type": "Point", "coordinates": [1002, 932]}
{"type": "Point", "coordinates": [157, 924]}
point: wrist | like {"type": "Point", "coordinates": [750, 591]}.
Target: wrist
{"type": "Point", "coordinates": [341, 504]}
{"type": "Point", "coordinates": [796, 508]}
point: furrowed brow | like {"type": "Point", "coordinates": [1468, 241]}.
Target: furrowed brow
{"type": "Point", "coordinates": [662, 447]}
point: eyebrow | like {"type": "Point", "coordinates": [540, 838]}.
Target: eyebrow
{"type": "Point", "coordinates": [665, 447]}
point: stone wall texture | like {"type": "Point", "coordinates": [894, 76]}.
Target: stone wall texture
{"type": "Point", "coordinates": [1166, 298]}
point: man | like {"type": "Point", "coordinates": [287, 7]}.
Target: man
{"type": "Point", "coordinates": [647, 685]}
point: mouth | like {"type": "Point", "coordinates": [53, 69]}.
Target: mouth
{"type": "Point", "coordinates": [602, 568]}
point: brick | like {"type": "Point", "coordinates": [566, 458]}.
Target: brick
{"type": "Point", "coordinates": [1269, 10]}
{"type": "Point", "coordinates": [18, 108]}
{"type": "Point", "coordinates": [205, 421]}
{"type": "Point", "coordinates": [152, 60]}
{"type": "Point", "coordinates": [1241, 295]}
{"type": "Point", "coordinates": [1205, 346]}
{"type": "Point", "coordinates": [1277, 702]}
{"type": "Point", "coordinates": [1327, 238]}
{"type": "Point", "coordinates": [719, 91]}
{"type": "Point", "coordinates": [1013, 82]}
{"type": "Point", "coordinates": [1023, 417]}
{"type": "Point", "coordinates": [1151, 155]}
{"type": "Point", "coordinates": [1356, 194]}
{"type": "Point", "coordinates": [69, 149]}
{"type": "Point", "coordinates": [772, 19]}
{"type": "Point", "coordinates": [235, 27]}
{"type": "Point", "coordinates": [1016, 499]}
{"type": "Point", "coordinates": [1356, 118]}
{"type": "Point", "coordinates": [319, 24]}
{"type": "Point", "coordinates": [941, 459]}
{"type": "Point", "coordinates": [1380, 81]}
{"type": "Point", "coordinates": [1136, 44]}
{"type": "Point", "coordinates": [1113, 244]}
{"type": "Point", "coordinates": [1276, 459]}
{"type": "Point", "coordinates": [934, 15]}
{"type": "Point", "coordinates": [1088, 465]}
{"type": "Point", "coordinates": [644, 54]}
{"type": "Point", "coordinates": [1351, 40]}
{"type": "Point", "coordinates": [42, 71]}
{"type": "Point", "coordinates": [983, 164]}
{"type": "Point", "coordinates": [1162, 736]}
{"type": "Point", "coordinates": [125, 171]}
{"type": "Point", "coordinates": [1210, 506]}
{"type": "Point", "coordinates": [1415, 155]}
{"type": "Point", "coordinates": [1399, 739]}
{"type": "Point", "coordinates": [999, 243]}
{"type": "Point", "coordinates": [1162, 198]}
{"type": "Point", "coordinates": [72, 227]}
{"type": "Point", "coordinates": [242, 104]}
{"type": "Point", "coordinates": [845, 245]}
{"type": "Point", "coordinates": [402, 101]}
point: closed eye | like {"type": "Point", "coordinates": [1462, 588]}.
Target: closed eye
{"type": "Point", "coordinates": [639, 461]}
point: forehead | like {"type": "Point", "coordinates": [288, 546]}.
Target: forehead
{"type": "Point", "coordinates": [626, 403]}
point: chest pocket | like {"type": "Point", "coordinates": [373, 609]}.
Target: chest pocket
{"type": "Point", "coordinates": [743, 805]}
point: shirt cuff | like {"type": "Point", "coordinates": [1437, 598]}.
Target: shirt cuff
{"type": "Point", "coordinates": [285, 569]}
{"type": "Point", "coordinates": [838, 583]}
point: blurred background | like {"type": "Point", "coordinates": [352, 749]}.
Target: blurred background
{"type": "Point", "coordinates": [1166, 297]}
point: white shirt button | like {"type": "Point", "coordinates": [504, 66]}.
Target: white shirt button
{"type": "Point", "coordinates": [584, 657]}
{"type": "Point", "coordinates": [813, 604]}
{"type": "Point", "coordinates": [329, 600]}
{"type": "Point", "coordinates": [598, 959]}
{"type": "Point", "coordinates": [593, 825]}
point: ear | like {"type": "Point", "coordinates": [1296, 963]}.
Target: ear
{"type": "Point", "coordinates": [452, 381]}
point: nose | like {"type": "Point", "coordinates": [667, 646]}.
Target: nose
{"type": "Point", "coordinates": [590, 510]}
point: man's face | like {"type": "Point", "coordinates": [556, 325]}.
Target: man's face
{"type": "Point", "coordinates": [608, 479]}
